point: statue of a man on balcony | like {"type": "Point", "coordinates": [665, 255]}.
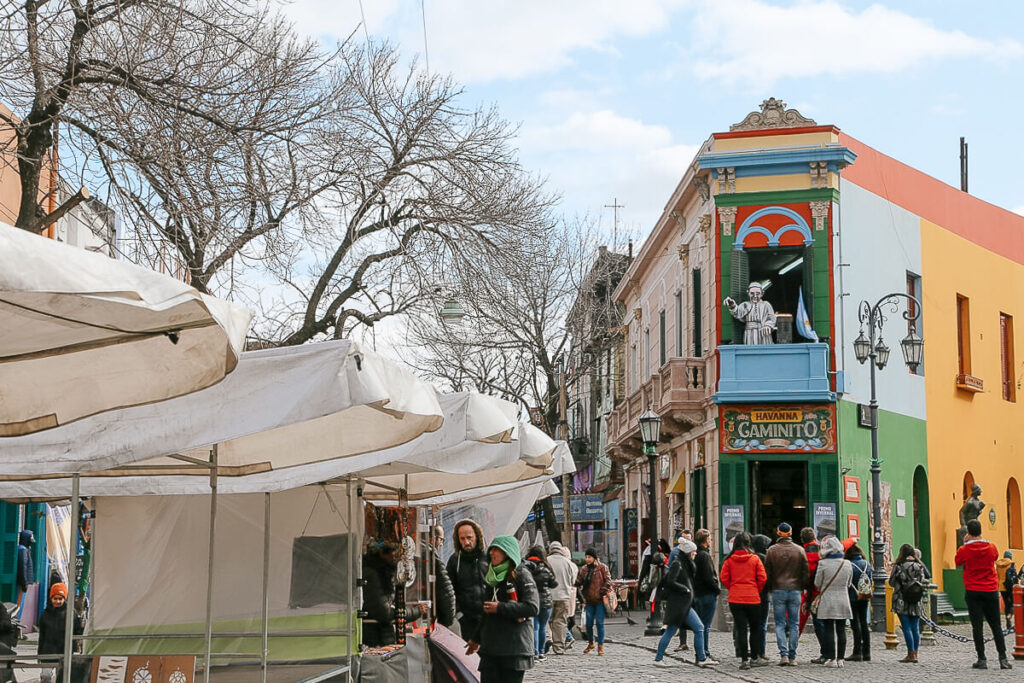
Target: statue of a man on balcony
{"type": "Point", "coordinates": [757, 314]}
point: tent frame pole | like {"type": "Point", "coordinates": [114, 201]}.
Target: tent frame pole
{"type": "Point", "coordinates": [265, 605]}
{"type": "Point", "coordinates": [209, 569]}
{"type": "Point", "coordinates": [69, 602]}
{"type": "Point", "coordinates": [351, 579]}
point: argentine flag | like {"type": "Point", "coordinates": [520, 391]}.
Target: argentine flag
{"type": "Point", "coordinates": [803, 323]}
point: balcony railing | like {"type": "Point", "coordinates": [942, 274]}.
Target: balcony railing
{"type": "Point", "coordinates": [678, 392]}
{"type": "Point", "coordinates": [773, 372]}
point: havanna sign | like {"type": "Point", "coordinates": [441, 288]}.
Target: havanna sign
{"type": "Point", "coordinates": [809, 428]}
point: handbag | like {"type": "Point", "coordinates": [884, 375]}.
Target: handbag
{"type": "Point", "coordinates": [816, 602]}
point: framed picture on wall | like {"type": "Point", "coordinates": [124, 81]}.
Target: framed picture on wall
{"type": "Point", "coordinates": [852, 526]}
{"type": "Point", "coordinates": [851, 489]}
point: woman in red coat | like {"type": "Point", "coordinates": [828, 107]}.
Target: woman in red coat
{"type": "Point", "coordinates": [744, 577]}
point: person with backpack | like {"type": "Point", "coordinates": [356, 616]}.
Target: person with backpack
{"type": "Point", "coordinates": [705, 585]}
{"type": "Point", "coordinates": [981, 592]}
{"type": "Point", "coordinates": [679, 611]}
{"type": "Point", "coordinates": [908, 583]}
{"type": "Point", "coordinates": [744, 577]}
{"type": "Point", "coordinates": [809, 541]}
{"type": "Point", "coordinates": [833, 581]}
{"type": "Point", "coordinates": [1007, 578]}
{"type": "Point", "coordinates": [760, 544]}
{"type": "Point", "coordinates": [544, 577]}
{"type": "Point", "coordinates": [860, 600]}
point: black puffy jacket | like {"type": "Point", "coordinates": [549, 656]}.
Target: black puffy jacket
{"type": "Point", "coordinates": [678, 587]}
{"type": "Point", "coordinates": [466, 570]}
{"type": "Point", "coordinates": [445, 607]}
{"type": "Point", "coordinates": [508, 633]}
{"type": "Point", "coordinates": [379, 602]}
{"type": "Point", "coordinates": [705, 579]}
{"type": "Point", "coordinates": [544, 578]}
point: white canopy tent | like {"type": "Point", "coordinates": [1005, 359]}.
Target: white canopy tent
{"type": "Point", "coordinates": [83, 333]}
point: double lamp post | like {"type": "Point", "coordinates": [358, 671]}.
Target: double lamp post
{"type": "Point", "coordinates": [650, 432]}
{"type": "Point", "coordinates": [872, 348]}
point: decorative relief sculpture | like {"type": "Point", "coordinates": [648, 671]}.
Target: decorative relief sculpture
{"type": "Point", "coordinates": [727, 216]}
{"type": "Point", "coordinates": [819, 212]}
{"type": "Point", "coordinates": [773, 114]}
{"type": "Point", "coordinates": [703, 188]}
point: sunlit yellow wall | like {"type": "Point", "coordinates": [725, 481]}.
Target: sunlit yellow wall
{"type": "Point", "coordinates": [981, 433]}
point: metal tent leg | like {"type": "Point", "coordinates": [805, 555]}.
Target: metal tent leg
{"type": "Point", "coordinates": [69, 603]}
{"type": "Point", "coordinates": [209, 570]}
{"type": "Point", "coordinates": [266, 585]}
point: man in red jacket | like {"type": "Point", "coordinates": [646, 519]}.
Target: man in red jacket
{"type": "Point", "coordinates": [978, 558]}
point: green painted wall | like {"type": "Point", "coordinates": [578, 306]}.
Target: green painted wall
{"type": "Point", "coordinates": [902, 448]}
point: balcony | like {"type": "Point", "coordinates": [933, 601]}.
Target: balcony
{"type": "Point", "coordinates": [773, 373]}
{"type": "Point", "coordinates": [679, 392]}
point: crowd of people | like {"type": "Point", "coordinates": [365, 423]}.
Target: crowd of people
{"type": "Point", "coordinates": [506, 605]}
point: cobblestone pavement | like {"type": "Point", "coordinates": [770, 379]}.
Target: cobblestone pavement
{"type": "Point", "coordinates": [629, 656]}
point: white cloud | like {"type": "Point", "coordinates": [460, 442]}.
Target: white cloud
{"type": "Point", "coordinates": [595, 156]}
{"type": "Point", "coordinates": [751, 40]}
{"type": "Point", "coordinates": [486, 41]}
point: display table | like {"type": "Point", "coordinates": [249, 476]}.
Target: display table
{"type": "Point", "coordinates": [395, 665]}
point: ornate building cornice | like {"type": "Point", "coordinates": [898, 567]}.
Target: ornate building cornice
{"type": "Point", "coordinates": [773, 114]}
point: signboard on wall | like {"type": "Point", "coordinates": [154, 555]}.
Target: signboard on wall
{"type": "Point", "coordinates": [585, 507]}
{"type": "Point", "coordinates": [631, 527]}
{"type": "Point", "coordinates": [732, 524]}
{"type": "Point", "coordinates": [779, 428]}
{"type": "Point", "coordinates": [824, 519]}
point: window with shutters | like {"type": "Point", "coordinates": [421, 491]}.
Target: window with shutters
{"type": "Point", "coordinates": [634, 370]}
{"type": "Point", "coordinates": [679, 324]}
{"type": "Point", "coordinates": [645, 355]}
{"type": "Point", "coordinates": [963, 334]}
{"type": "Point", "coordinates": [914, 290]}
{"type": "Point", "coordinates": [661, 339]}
{"type": "Point", "coordinates": [698, 350]}
{"type": "Point", "coordinates": [1006, 357]}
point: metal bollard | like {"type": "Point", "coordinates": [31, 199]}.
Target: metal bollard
{"type": "Point", "coordinates": [927, 633]}
{"type": "Point", "coordinates": [1018, 621]}
{"type": "Point", "coordinates": [891, 642]}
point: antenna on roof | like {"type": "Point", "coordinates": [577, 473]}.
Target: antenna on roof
{"type": "Point", "coordinates": [963, 164]}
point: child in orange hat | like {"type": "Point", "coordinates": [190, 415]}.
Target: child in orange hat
{"type": "Point", "coordinates": [51, 627]}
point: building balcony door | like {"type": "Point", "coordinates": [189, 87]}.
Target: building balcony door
{"type": "Point", "coordinates": [778, 494]}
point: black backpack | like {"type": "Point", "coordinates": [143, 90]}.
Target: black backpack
{"type": "Point", "coordinates": [912, 591]}
{"type": "Point", "coordinates": [1011, 578]}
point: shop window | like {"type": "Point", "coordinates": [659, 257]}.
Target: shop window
{"type": "Point", "coordinates": [1015, 534]}
{"type": "Point", "coordinates": [914, 290]}
{"type": "Point", "coordinates": [1006, 358]}
{"type": "Point", "coordinates": [963, 334]}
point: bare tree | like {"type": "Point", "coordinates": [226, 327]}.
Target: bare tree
{"type": "Point", "coordinates": [422, 185]}
{"type": "Point", "coordinates": [213, 72]}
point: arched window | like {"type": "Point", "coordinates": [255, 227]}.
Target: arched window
{"type": "Point", "coordinates": [968, 483]}
{"type": "Point", "coordinates": [1013, 518]}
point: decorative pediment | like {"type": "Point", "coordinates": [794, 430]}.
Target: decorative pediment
{"type": "Point", "coordinates": [773, 114]}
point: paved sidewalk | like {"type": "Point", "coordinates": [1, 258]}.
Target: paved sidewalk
{"type": "Point", "coordinates": [631, 658]}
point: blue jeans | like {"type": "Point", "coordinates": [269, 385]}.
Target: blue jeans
{"type": "Point", "coordinates": [540, 630]}
{"type": "Point", "coordinates": [693, 623]}
{"type": "Point", "coordinates": [595, 615]}
{"type": "Point", "coordinates": [911, 627]}
{"type": "Point", "coordinates": [705, 606]}
{"type": "Point", "coordinates": [786, 606]}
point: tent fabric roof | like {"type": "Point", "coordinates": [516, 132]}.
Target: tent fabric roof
{"type": "Point", "coordinates": [83, 333]}
{"type": "Point", "coordinates": [280, 408]}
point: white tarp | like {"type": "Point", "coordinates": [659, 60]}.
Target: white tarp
{"type": "Point", "coordinates": [280, 408]}
{"type": "Point", "coordinates": [83, 333]}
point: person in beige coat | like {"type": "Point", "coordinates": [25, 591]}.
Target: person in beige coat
{"type": "Point", "coordinates": [833, 580]}
{"type": "Point", "coordinates": [563, 596]}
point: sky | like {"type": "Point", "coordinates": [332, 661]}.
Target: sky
{"type": "Point", "coordinates": [614, 98]}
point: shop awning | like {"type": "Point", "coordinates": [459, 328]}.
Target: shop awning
{"type": "Point", "coordinates": [84, 333]}
{"type": "Point", "coordinates": [678, 484]}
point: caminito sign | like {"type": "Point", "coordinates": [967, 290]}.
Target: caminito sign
{"type": "Point", "coordinates": [779, 429]}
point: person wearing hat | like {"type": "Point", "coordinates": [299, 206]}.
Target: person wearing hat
{"type": "Point", "coordinates": [563, 596]}
{"type": "Point", "coordinates": [859, 603]}
{"type": "Point", "coordinates": [1006, 576]}
{"type": "Point", "coordinates": [51, 627]}
{"type": "Point", "coordinates": [706, 586]}
{"type": "Point", "coordinates": [757, 315]}
{"type": "Point", "coordinates": [595, 582]}
{"type": "Point", "coordinates": [679, 612]}
{"type": "Point", "coordinates": [787, 570]}
{"type": "Point", "coordinates": [505, 636]}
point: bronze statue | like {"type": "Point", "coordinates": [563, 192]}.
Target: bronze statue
{"type": "Point", "coordinates": [971, 509]}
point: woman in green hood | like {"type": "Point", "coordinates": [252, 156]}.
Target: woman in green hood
{"type": "Point", "coordinates": [505, 635]}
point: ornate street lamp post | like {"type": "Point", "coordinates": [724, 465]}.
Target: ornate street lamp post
{"type": "Point", "coordinates": [650, 432]}
{"type": "Point", "coordinates": [867, 348]}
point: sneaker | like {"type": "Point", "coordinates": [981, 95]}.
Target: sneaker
{"type": "Point", "coordinates": [783, 661]}
{"type": "Point", "coordinates": [838, 663]}
{"type": "Point", "coordinates": [792, 661]}
{"type": "Point", "coordinates": [1005, 664]}
{"type": "Point", "coordinates": [819, 660]}
{"type": "Point", "coordinates": [829, 664]}
{"type": "Point", "coordinates": [705, 663]}
{"type": "Point", "coordinates": [855, 658]}
{"type": "Point", "coordinates": [664, 663]}
{"type": "Point", "coordinates": [762, 661]}
{"type": "Point", "coordinates": [541, 658]}
{"type": "Point", "coordinates": [744, 665]}
{"type": "Point", "coordinates": [711, 661]}
{"type": "Point", "coordinates": [683, 647]}
{"type": "Point", "coordinates": [980, 664]}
